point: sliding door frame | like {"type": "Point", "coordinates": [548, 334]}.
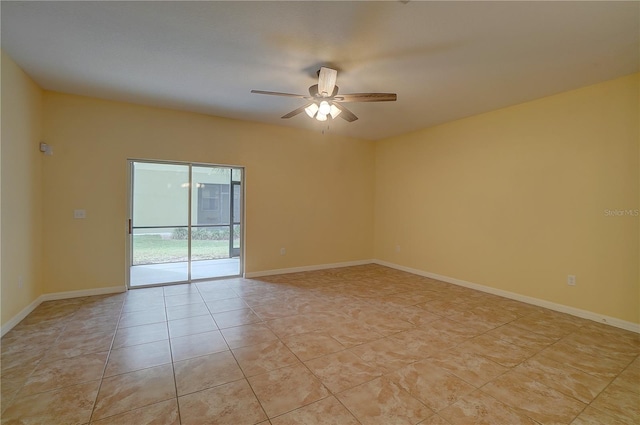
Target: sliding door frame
{"type": "Point", "coordinates": [129, 223]}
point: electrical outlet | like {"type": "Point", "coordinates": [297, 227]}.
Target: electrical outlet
{"type": "Point", "coordinates": [571, 280]}
{"type": "Point", "coordinates": [79, 214]}
{"type": "Point", "coordinates": [283, 251]}
{"type": "Point", "coordinates": [20, 282]}
{"type": "Point", "coordinates": [397, 248]}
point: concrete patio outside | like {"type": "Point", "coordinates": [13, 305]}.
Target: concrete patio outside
{"type": "Point", "coordinates": [154, 274]}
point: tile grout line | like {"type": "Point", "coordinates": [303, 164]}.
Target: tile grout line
{"type": "Point", "coordinates": [238, 365]}
{"type": "Point", "coordinates": [13, 397]}
{"type": "Point", "coordinates": [95, 401]}
{"type": "Point", "coordinates": [65, 322]}
{"type": "Point", "coordinates": [173, 366]}
{"type": "Point", "coordinates": [512, 369]}
{"type": "Point", "coordinates": [605, 388]}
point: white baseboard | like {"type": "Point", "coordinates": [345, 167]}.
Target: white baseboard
{"type": "Point", "coordinates": [18, 317]}
{"type": "Point", "coordinates": [608, 320]}
{"type": "Point", "coordinates": [306, 268]}
{"type": "Point", "coordinates": [57, 296]}
{"type": "Point", "coordinates": [83, 293]}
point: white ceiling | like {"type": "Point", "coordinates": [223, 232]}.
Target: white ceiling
{"type": "Point", "coordinates": [445, 60]}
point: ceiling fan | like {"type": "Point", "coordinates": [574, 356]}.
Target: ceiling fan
{"type": "Point", "coordinates": [325, 101]}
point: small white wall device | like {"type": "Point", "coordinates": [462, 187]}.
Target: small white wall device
{"type": "Point", "coordinates": [46, 149]}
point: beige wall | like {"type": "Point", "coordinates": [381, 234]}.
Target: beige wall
{"type": "Point", "coordinates": [307, 192]}
{"type": "Point", "coordinates": [21, 178]}
{"type": "Point", "coordinates": [516, 199]}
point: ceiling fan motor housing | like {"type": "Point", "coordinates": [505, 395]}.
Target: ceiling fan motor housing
{"type": "Point", "coordinates": [325, 101]}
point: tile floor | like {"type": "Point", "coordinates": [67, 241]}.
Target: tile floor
{"type": "Point", "coordinates": [357, 345]}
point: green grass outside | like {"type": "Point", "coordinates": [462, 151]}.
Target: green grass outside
{"type": "Point", "coordinates": [150, 249]}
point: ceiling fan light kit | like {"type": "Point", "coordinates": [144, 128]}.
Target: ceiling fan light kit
{"type": "Point", "coordinates": [311, 110]}
{"type": "Point", "coordinates": [325, 101]}
{"type": "Point", "coordinates": [324, 107]}
{"type": "Point", "coordinates": [323, 110]}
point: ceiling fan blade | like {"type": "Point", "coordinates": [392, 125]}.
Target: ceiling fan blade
{"type": "Point", "coordinates": [295, 112]}
{"type": "Point", "coordinates": [346, 114]}
{"type": "Point", "coordinates": [367, 97]}
{"type": "Point", "coordinates": [326, 81]}
{"type": "Point", "coordinates": [275, 93]}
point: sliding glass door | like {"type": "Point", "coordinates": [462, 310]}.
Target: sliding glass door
{"type": "Point", "coordinates": [213, 220]}
{"type": "Point", "coordinates": [185, 223]}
